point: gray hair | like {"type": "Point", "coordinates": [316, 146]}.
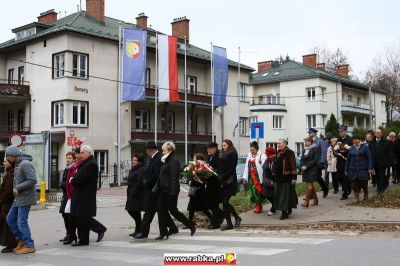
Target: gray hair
{"type": "Point", "coordinates": [169, 145]}
{"type": "Point", "coordinates": [87, 148]}
{"type": "Point", "coordinates": [284, 141]}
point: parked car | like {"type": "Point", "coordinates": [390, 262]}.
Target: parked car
{"type": "Point", "coordinates": [241, 182]}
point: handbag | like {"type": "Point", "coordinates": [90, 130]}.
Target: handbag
{"type": "Point", "coordinates": [68, 207]}
{"type": "Point", "coordinates": [193, 191]}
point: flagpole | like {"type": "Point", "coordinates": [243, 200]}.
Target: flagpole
{"type": "Point", "coordinates": [212, 94]}
{"type": "Point", "coordinates": [156, 94]}
{"type": "Point", "coordinates": [186, 118]}
{"type": "Point", "coordinates": [119, 107]}
{"type": "Point", "coordinates": [238, 90]}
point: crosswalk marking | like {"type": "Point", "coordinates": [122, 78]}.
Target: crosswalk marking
{"type": "Point", "coordinates": [280, 240]}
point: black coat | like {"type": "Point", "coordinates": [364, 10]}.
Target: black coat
{"type": "Point", "coordinates": [382, 153]}
{"type": "Point", "coordinates": [169, 176]}
{"type": "Point", "coordinates": [311, 161]}
{"type": "Point", "coordinates": [135, 195]}
{"type": "Point", "coordinates": [342, 154]}
{"type": "Point", "coordinates": [213, 188]}
{"type": "Point", "coordinates": [149, 180]}
{"type": "Point", "coordinates": [83, 203]}
{"type": "Point", "coordinates": [268, 186]}
{"type": "Point", "coordinates": [198, 202]}
{"type": "Point", "coordinates": [63, 186]}
{"type": "Point", "coordinates": [227, 175]}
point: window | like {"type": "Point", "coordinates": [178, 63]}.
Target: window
{"type": "Point", "coordinates": [277, 121]}
{"type": "Point", "coordinates": [253, 119]}
{"type": "Point", "coordinates": [58, 114]}
{"type": "Point", "coordinates": [351, 122]}
{"type": "Point", "coordinates": [270, 99]}
{"type": "Point", "coordinates": [311, 121]}
{"type": "Point", "coordinates": [171, 124]}
{"type": "Point", "coordinates": [102, 160]}
{"type": "Point", "coordinates": [349, 98]}
{"type": "Point", "coordinates": [79, 113]}
{"type": "Point", "coordinates": [192, 84]}
{"type": "Point", "coordinates": [244, 126]}
{"type": "Point", "coordinates": [21, 75]}
{"type": "Point", "coordinates": [383, 106]}
{"type": "Point", "coordinates": [273, 145]}
{"type": "Point", "coordinates": [10, 120]}
{"type": "Point", "coordinates": [142, 119]}
{"type": "Point", "coordinates": [148, 77]}
{"type": "Point", "coordinates": [358, 100]}
{"type": "Point", "coordinates": [299, 148]}
{"type": "Point", "coordinates": [79, 65]}
{"type": "Point", "coordinates": [311, 94]}
{"type": "Point", "coordinates": [58, 65]}
{"type": "Point", "coordinates": [243, 92]}
{"type": "Point", "coordinates": [21, 119]}
{"type": "Point", "coordinates": [11, 76]}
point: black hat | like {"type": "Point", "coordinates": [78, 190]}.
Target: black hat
{"type": "Point", "coordinates": [343, 128]}
{"type": "Point", "coordinates": [312, 130]}
{"type": "Point", "coordinates": [150, 145]}
{"type": "Point", "coordinates": [77, 150]}
{"type": "Point", "coordinates": [371, 131]}
{"type": "Point", "coordinates": [212, 145]}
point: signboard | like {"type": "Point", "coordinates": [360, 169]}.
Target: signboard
{"type": "Point", "coordinates": [71, 141]}
{"type": "Point", "coordinates": [257, 130]}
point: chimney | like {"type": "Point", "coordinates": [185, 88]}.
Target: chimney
{"type": "Point", "coordinates": [95, 9]}
{"type": "Point", "coordinates": [321, 66]}
{"type": "Point", "coordinates": [263, 66]}
{"type": "Point", "coordinates": [141, 21]}
{"type": "Point", "coordinates": [342, 70]}
{"type": "Point", "coordinates": [48, 17]}
{"type": "Point", "coordinates": [310, 60]}
{"type": "Point", "coordinates": [180, 28]}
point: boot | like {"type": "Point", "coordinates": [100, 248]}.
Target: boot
{"type": "Point", "coordinates": [357, 196]}
{"type": "Point", "coordinates": [315, 197]}
{"type": "Point", "coordinates": [306, 200]}
{"type": "Point", "coordinates": [365, 195]}
{"type": "Point", "coordinates": [258, 208]}
{"type": "Point", "coordinates": [20, 245]}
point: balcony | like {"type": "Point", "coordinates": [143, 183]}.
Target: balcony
{"type": "Point", "coordinates": [6, 132]}
{"type": "Point", "coordinates": [201, 98]}
{"type": "Point", "coordinates": [13, 91]}
{"type": "Point", "coordinates": [178, 136]}
{"type": "Point", "coordinates": [356, 107]}
{"type": "Point", "coordinates": [268, 105]}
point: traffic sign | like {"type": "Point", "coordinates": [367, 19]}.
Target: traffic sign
{"type": "Point", "coordinates": [257, 130]}
{"type": "Point", "coordinates": [16, 140]}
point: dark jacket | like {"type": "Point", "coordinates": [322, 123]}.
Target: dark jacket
{"type": "Point", "coordinates": [213, 188]}
{"type": "Point", "coordinates": [342, 154]}
{"type": "Point", "coordinates": [83, 203]}
{"type": "Point", "coordinates": [268, 186]}
{"type": "Point", "coordinates": [311, 161]}
{"type": "Point", "coordinates": [149, 180]}
{"type": "Point", "coordinates": [63, 187]}
{"type": "Point", "coordinates": [284, 168]}
{"type": "Point", "coordinates": [169, 176]}
{"type": "Point", "coordinates": [227, 175]}
{"type": "Point", "coordinates": [6, 193]}
{"type": "Point", "coordinates": [135, 195]}
{"type": "Point", "coordinates": [359, 161]}
{"type": "Point", "coordinates": [382, 153]}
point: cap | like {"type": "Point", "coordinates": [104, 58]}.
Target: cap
{"type": "Point", "coordinates": [343, 128]}
{"type": "Point", "coordinates": [13, 151]}
{"type": "Point", "coordinates": [150, 145]}
{"type": "Point", "coordinates": [312, 130]}
{"type": "Point", "coordinates": [270, 150]}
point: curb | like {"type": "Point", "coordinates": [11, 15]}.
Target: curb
{"type": "Point", "coordinates": [332, 222]}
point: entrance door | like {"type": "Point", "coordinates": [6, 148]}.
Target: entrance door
{"type": "Point", "coordinates": [55, 174]}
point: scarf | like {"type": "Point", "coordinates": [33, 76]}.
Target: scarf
{"type": "Point", "coordinates": [307, 149]}
{"type": "Point", "coordinates": [164, 157]}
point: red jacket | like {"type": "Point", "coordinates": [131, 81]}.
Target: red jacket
{"type": "Point", "coordinates": [71, 173]}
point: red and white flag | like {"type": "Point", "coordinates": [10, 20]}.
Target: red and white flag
{"type": "Point", "coordinates": [167, 69]}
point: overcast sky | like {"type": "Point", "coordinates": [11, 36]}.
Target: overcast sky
{"type": "Point", "coordinates": [263, 29]}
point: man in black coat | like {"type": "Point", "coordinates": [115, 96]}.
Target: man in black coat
{"type": "Point", "coordinates": [83, 203]}
{"type": "Point", "coordinates": [150, 197]}
{"type": "Point", "coordinates": [345, 142]}
{"type": "Point", "coordinates": [383, 158]}
{"type": "Point", "coordinates": [213, 187]}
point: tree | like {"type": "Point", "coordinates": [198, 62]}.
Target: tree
{"type": "Point", "coordinates": [331, 58]}
{"type": "Point", "coordinates": [332, 126]}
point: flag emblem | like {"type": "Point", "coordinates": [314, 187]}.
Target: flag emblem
{"type": "Point", "coordinates": [132, 49]}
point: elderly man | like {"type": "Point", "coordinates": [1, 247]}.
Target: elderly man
{"type": "Point", "coordinates": [24, 198]}
{"type": "Point", "coordinates": [344, 143]}
{"type": "Point", "coordinates": [83, 203]}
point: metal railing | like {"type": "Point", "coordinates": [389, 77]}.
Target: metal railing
{"type": "Point", "coordinates": [14, 82]}
{"type": "Point", "coordinates": [178, 132]}
{"type": "Point", "coordinates": [11, 129]}
{"type": "Point", "coordinates": [268, 101]}
{"type": "Point", "coordinates": [355, 105]}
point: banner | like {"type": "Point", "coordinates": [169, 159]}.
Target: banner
{"type": "Point", "coordinates": [220, 67]}
{"type": "Point", "coordinates": [167, 69]}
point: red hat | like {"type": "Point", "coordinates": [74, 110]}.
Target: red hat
{"type": "Point", "coordinates": [270, 150]}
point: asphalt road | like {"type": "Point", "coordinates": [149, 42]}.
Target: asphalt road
{"type": "Point", "coordinates": [253, 247]}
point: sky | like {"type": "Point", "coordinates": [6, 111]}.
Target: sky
{"type": "Point", "coordinates": [263, 30]}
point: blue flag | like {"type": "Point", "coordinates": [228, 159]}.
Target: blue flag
{"type": "Point", "coordinates": [220, 63]}
{"type": "Point", "coordinates": [134, 64]}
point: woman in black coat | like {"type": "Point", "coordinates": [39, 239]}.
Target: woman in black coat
{"type": "Point", "coordinates": [135, 195]}
{"type": "Point", "coordinates": [309, 166]}
{"type": "Point", "coordinates": [169, 188]}
{"type": "Point", "coordinates": [268, 184]}
{"type": "Point", "coordinates": [228, 180]}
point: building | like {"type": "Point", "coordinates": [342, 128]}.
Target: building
{"type": "Point", "coordinates": [60, 74]}
{"type": "Point", "coordinates": [290, 97]}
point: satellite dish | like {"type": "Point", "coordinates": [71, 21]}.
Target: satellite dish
{"type": "Point", "coordinates": [273, 92]}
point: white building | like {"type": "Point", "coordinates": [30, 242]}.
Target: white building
{"type": "Point", "coordinates": [290, 97]}
{"type": "Point", "coordinates": [63, 71]}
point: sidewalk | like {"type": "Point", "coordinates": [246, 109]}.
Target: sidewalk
{"type": "Point", "coordinates": [329, 210]}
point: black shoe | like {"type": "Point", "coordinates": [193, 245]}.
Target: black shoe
{"type": "Point", "coordinates": [212, 226]}
{"type": "Point", "coordinates": [140, 236]}
{"type": "Point", "coordinates": [335, 191]}
{"type": "Point", "coordinates": [227, 227]}
{"type": "Point", "coordinates": [344, 197]}
{"type": "Point", "coordinates": [7, 250]}
{"type": "Point", "coordinates": [289, 211]}
{"type": "Point", "coordinates": [238, 220]}
{"type": "Point", "coordinates": [78, 244]}
{"type": "Point", "coordinates": [70, 241]}
{"type": "Point", "coordinates": [161, 237]}
{"type": "Point", "coordinates": [65, 238]}
{"type": "Point", "coordinates": [284, 215]}
{"type": "Point", "coordinates": [173, 231]}
{"type": "Point", "coordinates": [325, 193]}
{"type": "Point", "coordinates": [134, 233]}
{"type": "Point", "coordinates": [100, 236]}
{"type": "Point", "coordinates": [192, 230]}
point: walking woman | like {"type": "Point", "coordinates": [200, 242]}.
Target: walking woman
{"type": "Point", "coordinates": [332, 161]}
{"type": "Point", "coordinates": [7, 239]}
{"type": "Point", "coordinates": [284, 175]}
{"type": "Point", "coordinates": [309, 164]}
{"type": "Point", "coordinates": [197, 195]}
{"type": "Point", "coordinates": [268, 184]}
{"type": "Point", "coordinates": [228, 180]}
{"type": "Point", "coordinates": [70, 158]}
{"type": "Point", "coordinates": [253, 173]}
{"type": "Point", "coordinates": [359, 167]}
{"type": "Point", "coordinates": [135, 195]}
{"type": "Point", "coordinates": [169, 188]}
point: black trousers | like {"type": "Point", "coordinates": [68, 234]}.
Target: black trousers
{"type": "Point", "coordinates": [381, 175]}
{"type": "Point", "coordinates": [166, 205]}
{"type": "Point", "coordinates": [271, 200]}
{"type": "Point", "coordinates": [148, 218]}
{"type": "Point", "coordinates": [335, 181]}
{"type": "Point", "coordinates": [357, 185]}
{"type": "Point", "coordinates": [70, 225]}
{"type": "Point", "coordinates": [85, 224]}
{"type": "Point", "coordinates": [228, 210]}
{"type": "Point", "coordinates": [345, 183]}
{"type": "Point", "coordinates": [321, 180]}
{"type": "Point", "coordinates": [137, 216]}
{"type": "Point", "coordinates": [66, 218]}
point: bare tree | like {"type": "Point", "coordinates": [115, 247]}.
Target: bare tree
{"type": "Point", "coordinates": [331, 58]}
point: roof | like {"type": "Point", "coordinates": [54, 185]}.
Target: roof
{"type": "Point", "coordinates": [292, 70]}
{"type": "Point", "coordinates": [81, 23]}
